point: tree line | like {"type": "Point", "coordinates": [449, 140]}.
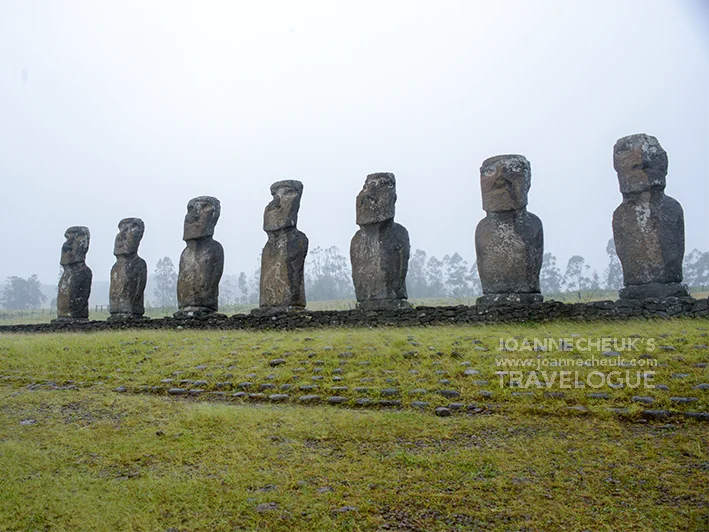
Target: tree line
{"type": "Point", "coordinates": [328, 277]}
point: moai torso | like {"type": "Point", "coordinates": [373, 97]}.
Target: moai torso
{"type": "Point", "coordinates": [282, 283]}
{"type": "Point", "coordinates": [648, 227]}
{"type": "Point", "coordinates": [202, 260]}
{"type": "Point", "coordinates": [130, 272]}
{"type": "Point", "coordinates": [379, 251]}
{"type": "Point", "coordinates": [509, 241]}
{"type": "Point", "coordinates": [75, 283]}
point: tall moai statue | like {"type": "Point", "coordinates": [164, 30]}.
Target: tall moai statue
{"type": "Point", "coordinates": [282, 286]}
{"type": "Point", "coordinates": [130, 272]}
{"type": "Point", "coordinates": [380, 250]}
{"type": "Point", "coordinates": [202, 260]}
{"type": "Point", "coordinates": [648, 227]}
{"type": "Point", "coordinates": [75, 283]}
{"type": "Point", "coordinates": [509, 241]}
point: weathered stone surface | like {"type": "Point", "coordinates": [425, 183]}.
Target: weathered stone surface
{"type": "Point", "coordinates": [379, 251]}
{"type": "Point", "coordinates": [75, 283]}
{"type": "Point", "coordinates": [202, 261]}
{"type": "Point", "coordinates": [282, 286]}
{"type": "Point", "coordinates": [648, 227]}
{"type": "Point", "coordinates": [509, 241]}
{"type": "Point", "coordinates": [130, 272]}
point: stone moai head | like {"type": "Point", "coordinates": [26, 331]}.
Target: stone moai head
{"type": "Point", "coordinates": [282, 211]}
{"type": "Point", "coordinates": [130, 233]}
{"type": "Point", "coordinates": [640, 162]}
{"type": "Point", "coordinates": [76, 245]}
{"type": "Point", "coordinates": [201, 218]}
{"type": "Point", "coordinates": [505, 182]}
{"type": "Point", "coordinates": [376, 203]}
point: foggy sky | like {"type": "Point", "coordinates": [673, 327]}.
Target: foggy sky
{"type": "Point", "coordinates": [131, 108]}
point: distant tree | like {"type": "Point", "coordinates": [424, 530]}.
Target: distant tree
{"type": "Point", "coordinates": [434, 276]}
{"type": "Point", "coordinates": [550, 279]}
{"type": "Point", "coordinates": [328, 276]}
{"type": "Point", "coordinates": [594, 282]}
{"type": "Point", "coordinates": [416, 283]}
{"type": "Point", "coordinates": [165, 291]}
{"type": "Point", "coordinates": [243, 288]}
{"type": "Point", "coordinates": [457, 276]}
{"type": "Point", "coordinates": [614, 272]}
{"type": "Point", "coordinates": [227, 290]}
{"type": "Point", "coordinates": [696, 269]}
{"type": "Point", "coordinates": [22, 294]}
{"type": "Point", "coordinates": [476, 287]}
{"type": "Point", "coordinates": [575, 278]}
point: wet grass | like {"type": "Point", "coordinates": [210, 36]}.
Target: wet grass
{"type": "Point", "coordinates": [76, 455]}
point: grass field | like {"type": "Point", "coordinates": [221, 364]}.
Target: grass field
{"type": "Point", "coordinates": [91, 437]}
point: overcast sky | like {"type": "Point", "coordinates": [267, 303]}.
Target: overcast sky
{"type": "Point", "coordinates": [131, 108]}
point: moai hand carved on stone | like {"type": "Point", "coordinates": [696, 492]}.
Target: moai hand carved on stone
{"type": "Point", "coordinates": [380, 250]}
{"type": "Point", "coordinates": [648, 227]}
{"type": "Point", "coordinates": [130, 272]}
{"type": "Point", "coordinates": [509, 241]}
{"type": "Point", "coordinates": [75, 283]}
{"type": "Point", "coordinates": [282, 286]}
{"type": "Point", "coordinates": [202, 260]}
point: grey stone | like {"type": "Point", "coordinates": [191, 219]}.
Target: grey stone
{"type": "Point", "coordinates": [120, 389]}
{"type": "Point", "coordinates": [177, 391]}
{"type": "Point", "coordinates": [599, 395]}
{"type": "Point", "coordinates": [202, 260]}
{"type": "Point", "coordinates": [419, 404]}
{"type": "Point", "coordinates": [703, 386]}
{"type": "Point", "coordinates": [277, 362]}
{"type": "Point", "coordinates": [337, 400]}
{"type": "Point", "coordinates": [130, 272]}
{"type": "Point", "coordinates": [266, 386]}
{"type": "Point", "coordinates": [279, 397]}
{"type": "Point", "coordinates": [309, 399]}
{"type": "Point", "coordinates": [389, 392]}
{"type": "Point", "coordinates": [442, 411]}
{"type": "Point", "coordinates": [643, 399]}
{"type": "Point", "coordinates": [449, 394]}
{"type": "Point", "coordinates": [363, 401]}
{"type": "Point", "coordinates": [648, 226]}
{"type": "Point", "coordinates": [509, 241]}
{"type": "Point", "coordinates": [379, 251]}
{"type": "Point", "coordinates": [266, 507]}
{"type": "Point", "coordinates": [75, 283]}
{"type": "Point", "coordinates": [683, 400]}
{"type": "Point", "coordinates": [282, 287]}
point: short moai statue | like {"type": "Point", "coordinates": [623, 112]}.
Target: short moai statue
{"type": "Point", "coordinates": [648, 227]}
{"type": "Point", "coordinates": [75, 282]}
{"type": "Point", "coordinates": [509, 241]}
{"type": "Point", "coordinates": [379, 251]}
{"type": "Point", "coordinates": [282, 286]}
{"type": "Point", "coordinates": [202, 260]}
{"type": "Point", "coordinates": [129, 274]}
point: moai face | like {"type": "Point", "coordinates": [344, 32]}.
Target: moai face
{"type": "Point", "coordinates": [130, 233]}
{"type": "Point", "coordinates": [282, 212]}
{"type": "Point", "coordinates": [376, 202]}
{"type": "Point", "coordinates": [640, 162]}
{"type": "Point", "coordinates": [201, 218]}
{"type": "Point", "coordinates": [505, 182]}
{"type": "Point", "coordinates": [76, 245]}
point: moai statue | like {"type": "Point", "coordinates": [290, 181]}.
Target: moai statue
{"type": "Point", "coordinates": [202, 261]}
{"type": "Point", "coordinates": [380, 250]}
{"type": "Point", "coordinates": [648, 227]}
{"type": "Point", "coordinates": [282, 285]}
{"type": "Point", "coordinates": [75, 283]}
{"type": "Point", "coordinates": [129, 274]}
{"type": "Point", "coordinates": [509, 241]}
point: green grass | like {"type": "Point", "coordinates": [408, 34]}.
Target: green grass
{"type": "Point", "coordinates": [75, 455]}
